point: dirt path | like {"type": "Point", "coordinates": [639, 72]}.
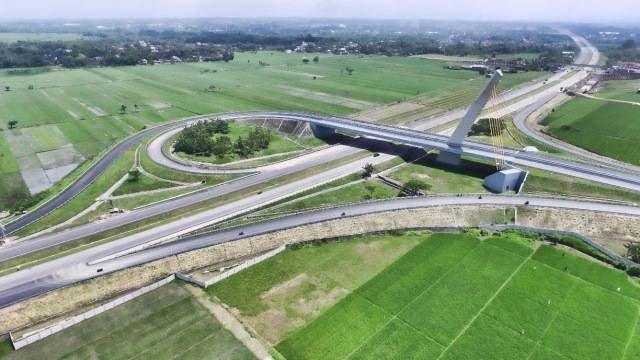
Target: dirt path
{"type": "Point", "coordinates": [609, 100]}
{"type": "Point", "coordinates": [230, 323]}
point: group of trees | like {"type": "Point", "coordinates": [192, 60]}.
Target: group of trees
{"type": "Point", "coordinates": [200, 139]}
{"type": "Point", "coordinates": [105, 52]}
{"type": "Point", "coordinates": [627, 51]}
{"type": "Point", "coordinates": [483, 128]}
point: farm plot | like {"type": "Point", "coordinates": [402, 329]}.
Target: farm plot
{"type": "Point", "coordinates": [605, 128]}
{"type": "Point", "coordinates": [456, 297]}
{"type": "Point", "coordinates": [166, 323]}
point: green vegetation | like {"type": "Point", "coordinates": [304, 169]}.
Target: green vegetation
{"type": "Point", "coordinates": [314, 274]}
{"type": "Point", "coordinates": [445, 179]}
{"type": "Point", "coordinates": [142, 183]}
{"type": "Point", "coordinates": [166, 323]}
{"type": "Point", "coordinates": [625, 90]}
{"type": "Point", "coordinates": [84, 104]}
{"type": "Point", "coordinates": [238, 142]}
{"type": "Point", "coordinates": [454, 296]}
{"type": "Point", "coordinates": [605, 128]}
{"type": "Point", "coordinates": [360, 191]}
{"type": "Point", "coordinates": [549, 183]}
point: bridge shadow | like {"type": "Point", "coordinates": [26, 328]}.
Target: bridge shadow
{"type": "Point", "coordinates": [475, 168]}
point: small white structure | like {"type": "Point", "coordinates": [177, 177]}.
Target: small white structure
{"type": "Point", "coordinates": [530, 149]}
{"type": "Point", "coordinates": [506, 180]}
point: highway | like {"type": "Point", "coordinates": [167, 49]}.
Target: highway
{"type": "Point", "coordinates": [66, 270]}
{"type": "Point", "coordinates": [76, 267]}
{"type": "Point", "coordinates": [587, 55]}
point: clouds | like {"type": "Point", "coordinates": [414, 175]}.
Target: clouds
{"type": "Point", "coordinates": [538, 10]}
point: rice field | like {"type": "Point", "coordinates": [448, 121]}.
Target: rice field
{"type": "Point", "coordinates": [605, 128]}
{"type": "Point", "coordinates": [166, 323]}
{"type": "Point", "coordinates": [454, 296]}
{"type": "Point", "coordinates": [84, 105]}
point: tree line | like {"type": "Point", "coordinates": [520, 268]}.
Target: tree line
{"type": "Point", "coordinates": [82, 53]}
{"type": "Point", "coordinates": [207, 138]}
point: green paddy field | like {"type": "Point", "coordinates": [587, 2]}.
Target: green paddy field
{"type": "Point", "coordinates": [605, 128]}
{"type": "Point", "coordinates": [450, 296]}
{"type": "Point", "coordinates": [76, 113]}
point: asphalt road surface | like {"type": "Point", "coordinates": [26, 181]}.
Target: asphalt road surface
{"type": "Point", "coordinates": [80, 266]}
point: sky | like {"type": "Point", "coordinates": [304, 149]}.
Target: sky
{"type": "Point", "coordinates": [508, 10]}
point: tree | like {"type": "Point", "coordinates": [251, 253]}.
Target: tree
{"type": "Point", "coordinates": [135, 107]}
{"type": "Point", "coordinates": [316, 59]}
{"type": "Point", "coordinates": [633, 251]}
{"type": "Point", "coordinates": [415, 186]}
{"type": "Point", "coordinates": [259, 138]}
{"type": "Point", "coordinates": [222, 146]}
{"type": "Point", "coordinates": [305, 60]}
{"type": "Point", "coordinates": [134, 175]}
{"type": "Point", "coordinates": [628, 44]}
{"type": "Point", "coordinates": [7, 88]}
{"type": "Point", "coordinates": [241, 148]}
{"type": "Point", "coordinates": [368, 170]}
{"type": "Point", "coordinates": [211, 88]}
{"type": "Point", "coordinates": [123, 108]}
{"type": "Point", "coordinates": [349, 70]}
{"type": "Point", "coordinates": [12, 124]}
{"type": "Point", "coordinates": [30, 87]}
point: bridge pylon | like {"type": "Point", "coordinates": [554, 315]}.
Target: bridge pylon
{"type": "Point", "coordinates": [456, 140]}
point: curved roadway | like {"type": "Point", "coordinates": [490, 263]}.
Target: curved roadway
{"type": "Point", "coordinates": [76, 267]}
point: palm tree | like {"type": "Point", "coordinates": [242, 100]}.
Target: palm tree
{"type": "Point", "coordinates": [123, 108]}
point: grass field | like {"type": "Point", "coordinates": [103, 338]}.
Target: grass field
{"type": "Point", "coordinates": [167, 323]}
{"type": "Point", "coordinates": [605, 128]}
{"type": "Point", "coordinates": [445, 179]}
{"type": "Point", "coordinates": [456, 297]}
{"type": "Point", "coordinates": [84, 104]}
{"type": "Point", "coordinates": [625, 90]}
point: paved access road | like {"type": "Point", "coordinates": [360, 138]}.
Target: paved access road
{"type": "Point", "coordinates": [80, 266]}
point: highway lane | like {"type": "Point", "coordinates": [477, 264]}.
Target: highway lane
{"type": "Point", "coordinates": [76, 267]}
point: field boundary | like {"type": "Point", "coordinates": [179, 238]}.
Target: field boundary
{"type": "Point", "coordinates": [31, 337]}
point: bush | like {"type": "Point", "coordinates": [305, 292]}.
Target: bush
{"type": "Point", "coordinates": [565, 127]}
{"type": "Point", "coordinates": [415, 185]}
{"type": "Point", "coordinates": [634, 271]}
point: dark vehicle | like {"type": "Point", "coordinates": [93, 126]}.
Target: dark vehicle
{"type": "Point", "coordinates": [376, 154]}
{"type": "Point", "coordinates": [241, 233]}
{"type": "Point", "coordinates": [99, 270]}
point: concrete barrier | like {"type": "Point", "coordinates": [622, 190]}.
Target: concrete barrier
{"type": "Point", "coordinates": [31, 337]}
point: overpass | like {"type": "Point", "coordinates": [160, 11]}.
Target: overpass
{"type": "Point", "coordinates": [603, 174]}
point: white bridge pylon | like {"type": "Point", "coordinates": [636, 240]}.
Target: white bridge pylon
{"type": "Point", "coordinates": [461, 132]}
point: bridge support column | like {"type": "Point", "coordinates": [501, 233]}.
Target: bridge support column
{"type": "Point", "coordinates": [511, 179]}
{"type": "Point", "coordinates": [322, 131]}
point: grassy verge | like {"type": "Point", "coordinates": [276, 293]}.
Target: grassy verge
{"type": "Point", "coordinates": [143, 183]}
